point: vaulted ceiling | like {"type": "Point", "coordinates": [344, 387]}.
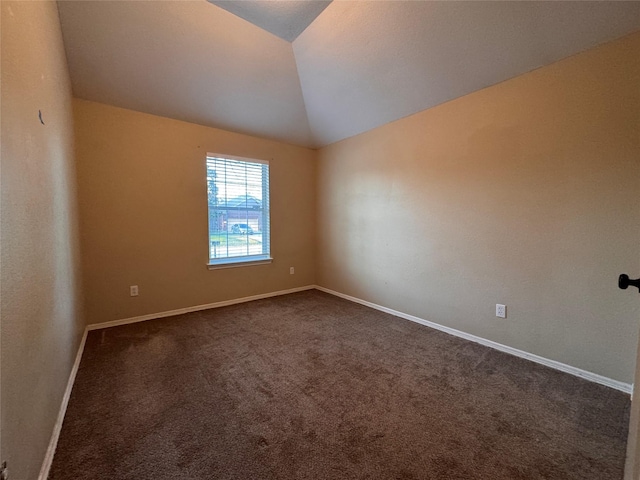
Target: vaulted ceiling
{"type": "Point", "coordinates": [312, 73]}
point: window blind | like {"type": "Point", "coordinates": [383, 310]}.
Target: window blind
{"type": "Point", "coordinates": [238, 204]}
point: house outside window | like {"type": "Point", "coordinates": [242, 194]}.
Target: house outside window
{"type": "Point", "coordinates": [238, 206]}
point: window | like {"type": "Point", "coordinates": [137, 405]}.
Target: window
{"type": "Point", "coordinates": [238, 197]}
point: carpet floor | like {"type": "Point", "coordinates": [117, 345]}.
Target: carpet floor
{"type": "Point", "coordinates": [310, 386]}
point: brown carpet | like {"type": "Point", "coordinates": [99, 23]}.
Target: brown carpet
{"type": "Point", "coordinates": [310, 386]}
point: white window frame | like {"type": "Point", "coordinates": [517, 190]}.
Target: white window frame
{"type": "Point", "coordinates": [246, 260]}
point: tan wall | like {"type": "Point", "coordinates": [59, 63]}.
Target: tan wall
{"type": "Point", "coordinates": [40, 310]}
{"type": "Point", "coordinates": [143, 211]}
{"type": "Point", "coordinates": [524, 193]}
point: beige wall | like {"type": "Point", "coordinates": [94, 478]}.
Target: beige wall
{"type": "Point", "coordinates": [143, 211]}
{"type": "Point", "coordinates": [40, 310]}
{"type": "Point", "coordinates": [524, 193]}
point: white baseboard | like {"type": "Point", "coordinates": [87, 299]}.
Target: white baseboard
{"type": "Point", "coordinates": [46, 465]}
{"type": "Point", "coordinates": [593, 377]}
{"type": "Point", "coordinates": [196, 308]}
{"type": "Point", "coordinates": [53, 443]}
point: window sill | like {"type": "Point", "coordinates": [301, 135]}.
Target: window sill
{"type": "Point", "coordinates": [238, 262]}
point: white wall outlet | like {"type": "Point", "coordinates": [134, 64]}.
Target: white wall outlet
{"type": "Point", "coordinates": [501, 311]}
{"type": "Point", "coordinates": [133, 290]}
{"type": "Point", "coordinates": [292, 270]}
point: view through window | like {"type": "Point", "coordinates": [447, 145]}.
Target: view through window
{"type": "Point", "coordinates": [238, 197]}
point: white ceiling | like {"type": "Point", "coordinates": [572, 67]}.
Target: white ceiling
{"type": "Point", "coordinates": [358, 65]}
{"type": "Point", "coordinates": [285, 18]}
{"type": "Point", "coordinates": [186, 60]}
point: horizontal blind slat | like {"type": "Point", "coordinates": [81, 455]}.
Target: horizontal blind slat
{"type": "Point", "coordinates": [238, 207]}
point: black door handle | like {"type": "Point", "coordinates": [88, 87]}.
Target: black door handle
{"type": "Point", "coordinates": [624, 281]}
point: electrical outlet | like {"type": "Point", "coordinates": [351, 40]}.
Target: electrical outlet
{"type": "Point", "coordinates": [501, 311]}
{"type": "Point", "coordinates": [292, 270]}
{"type": "Point", "coordinates": [133, 290]}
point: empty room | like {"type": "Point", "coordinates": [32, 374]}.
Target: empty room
{"type": "Point", "coordinates": [303, 240]}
